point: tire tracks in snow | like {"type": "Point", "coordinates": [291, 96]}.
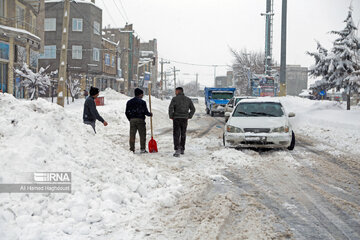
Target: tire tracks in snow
{"type": "Point", "coordinates": [295, 195]}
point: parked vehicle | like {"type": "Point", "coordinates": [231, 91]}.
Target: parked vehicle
{"type": "Point", "coordinates": [259, 123]}
{"type": "Point", "coordinates": [217, 98]}
{"type": "Point", "coordinates": [194, 100]}
{"type": "Point", "coordinates": [232, 103]}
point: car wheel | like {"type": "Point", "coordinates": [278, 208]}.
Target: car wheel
{"type": "Point", "coordinates": [212, 113]}
{"type": "Point", "coordinates": [224, 139]}
{"type": "Point", "coordinates": [292, 144]}
{"type": "Point", "coordinates": [207, 111]}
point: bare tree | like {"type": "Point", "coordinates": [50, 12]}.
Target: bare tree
{"type": "Point", "coordinates": [246, 61]}
{"type": "Point", "coordinates": [74, 87]}
{"type": "Point", "coordinates": [191, 89]}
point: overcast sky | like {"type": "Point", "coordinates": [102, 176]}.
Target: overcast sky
{"type": "Point", "coordinates": [201, 31]}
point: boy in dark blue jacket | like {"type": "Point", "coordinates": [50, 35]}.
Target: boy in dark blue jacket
{"type": "Point", "coordinates": [90, 114]}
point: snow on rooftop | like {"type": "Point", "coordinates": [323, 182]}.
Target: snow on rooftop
{"type": "Point", "coordinates": [77, 1]}
{"type": "Point", "coordinates": [109, 41]}
{"type": "Point", "coordinates": [20, 31]}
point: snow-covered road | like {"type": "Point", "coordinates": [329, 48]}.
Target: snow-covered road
{"type": "Point", "coordinates": [209, 193]}
{"type": "Point", "coordinates": [310, 193]}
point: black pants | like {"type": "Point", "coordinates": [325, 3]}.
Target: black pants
{"type": "Point", "coordinates": [179, 133]}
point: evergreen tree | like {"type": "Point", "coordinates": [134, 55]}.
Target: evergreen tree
{"type": "Point", "coordinates": [339, 68]}
{"type": "Point", "coordinates": [320, 68]}
{"type": "Point", "coordinates": [345, 64]}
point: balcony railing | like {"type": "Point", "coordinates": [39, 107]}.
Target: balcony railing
{"type": "Point", "coordinates": [17, 23]}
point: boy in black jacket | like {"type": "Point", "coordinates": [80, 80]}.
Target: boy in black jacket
{"type": "Point", "coordinates": [90, 113]}
{"type": "Point", "coordinates": [136, 110]}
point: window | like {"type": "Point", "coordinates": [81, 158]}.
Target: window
{"type": "Point", "coordinates": [4, 51]}
{"type": "Point", "coordinates": [49, 52]}
{"type": "Point", "coordinates": [3, 76]}
{"type": "Point", "coordinates": [107, 59]}
{"type": "Point", "coordinates": [96, 28]}
{"type": "Point", "coordinates": [2, 8]}
{"type": "Point", "coordinates": [76, 52]}
{"type": "Point", "coordinates": [20, 17]}
{"type": "Point", "coordinates": [113, 61]}
{"type": "Point", "coordinates": [77, 24]}
{"type": "Point", "coordinates": [50, 24]}
{"type": "Point", "coordinates": [96, 54]}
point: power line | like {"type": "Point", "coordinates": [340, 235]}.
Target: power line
{"type": "Point", "coordinates": [197, 64]}
{"type": "Point", "coordinates": [120, 11]}
{"type": "Point", "coordinates": [112, 19]}
{"type": "Point", "coordinates": [122, 6]}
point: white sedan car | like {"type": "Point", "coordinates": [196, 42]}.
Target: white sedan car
{"type": "Point", "coordinates": [259, 123]}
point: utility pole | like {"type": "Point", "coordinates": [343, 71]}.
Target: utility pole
{"type": "Point", "coordinates": [215, 74]}
{"type": "Point", "coordinates": [283, 49]}
{"type": "Point", "coordinates": [175, 70]}
{"type": "Point", "coordinates": [162, 72]}
{"type": "Point", "coordinates": [268, 35]}
{"type": "Point", "coordinates": [63, 54]}
{"type": "Point", "coordinates": [197, 78]}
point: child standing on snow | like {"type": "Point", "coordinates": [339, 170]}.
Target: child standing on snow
{"type": "Point", "coordinates": [90, 112]}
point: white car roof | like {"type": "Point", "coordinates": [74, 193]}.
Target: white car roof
{"type": "Point", "coordinates": [261, 99]}
{"type": "Point", "coordinates": [244, 97]}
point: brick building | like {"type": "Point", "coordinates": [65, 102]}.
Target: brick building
{"type": "Point", "coordinates": [149, 52]}
{"type": "Point", "coordinates": [128, 52]}
{"type": "Point", "coordinates": [21, 28]}
{"type": "Point", "coordinates": [85, 49]}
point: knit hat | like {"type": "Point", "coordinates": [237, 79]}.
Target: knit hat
{"type": "Point", "coordinates": [93, 91]}
{"type": "Point", "coordinates": [138, 92]}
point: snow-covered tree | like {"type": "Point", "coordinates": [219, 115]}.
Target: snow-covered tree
{"type": "Point", "coordinates": [339, 68]}
{"type": "Point", "coordinates": [321, 68]}
{"type": "Point", "coordinates": [345, 64]}
{"type": "Point", "coordinates": [35, 83]}
{"type": "Point", "coordinates": [74, 87]}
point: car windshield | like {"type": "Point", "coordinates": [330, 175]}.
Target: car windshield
{"type": "Point", "coordinates": [222, 95]}
{"type": "Point", "coordinates": [258, 109]}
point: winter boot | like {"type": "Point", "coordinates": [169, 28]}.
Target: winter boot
{"type": "Point", "coordinates": [177, 153]}
{"type": "Point", "coordinates": [143, 151]}
{"type": "Point", "coordinates": [182, 151]}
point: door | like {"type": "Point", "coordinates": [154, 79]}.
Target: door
{"type": "Point", "coordinates": [3, 76]}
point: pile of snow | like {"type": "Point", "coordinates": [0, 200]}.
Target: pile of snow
{"type": "Point", "coordinates": [112, 189]}
{"type": "Point", "coordinates": [326, 121]}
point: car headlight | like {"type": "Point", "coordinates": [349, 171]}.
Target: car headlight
{"type": "Point", "coordinates": [281, 129]}
{"type": "Point", "coordinates": [232, 129]}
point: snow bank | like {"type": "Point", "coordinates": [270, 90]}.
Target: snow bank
{"type": "Point", "coordinates": [325, 121]}
{"type": "Point", "coordinates": [112, 189]}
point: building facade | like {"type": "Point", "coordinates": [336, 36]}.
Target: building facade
{"type": "Point", "coordinates": [21, 28]}
{"type": "Point", "coordinates": [149, 52]}
{"type": "Point", "coordinates": [128, 54]}
{"type": "Point", "coordinates": [85, 47]}
{"type": "Point", "coordinates": [296, 79]}
{"type": "Point", "coordinates": [221, 82]}
{"type": "Point", "coordinates": [109, 64]}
